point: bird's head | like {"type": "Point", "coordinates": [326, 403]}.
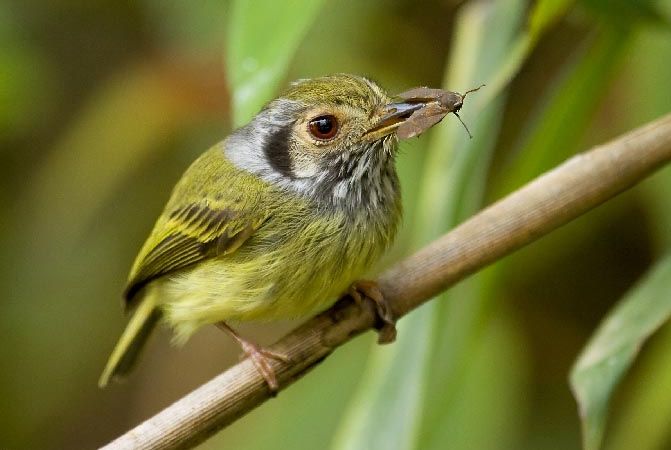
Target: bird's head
{"type": "Point", "coordinates": [331, 138]}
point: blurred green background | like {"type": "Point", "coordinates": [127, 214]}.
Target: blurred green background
{"type": "Point", "coordinates": [103, 105]}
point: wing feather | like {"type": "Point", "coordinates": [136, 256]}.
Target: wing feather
{"type": "Point", "coordinates": [192, 233]}
{"type": "Point", "coordinates": [213, 210]}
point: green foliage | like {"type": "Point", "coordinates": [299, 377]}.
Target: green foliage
{"type": "Point", "coordinates": [642, 421]}
{"type": "Point", "coordinates": [563, 118]}
{"type": "Point", "coordinates": [612, 349]}
{"type": "Point", "coordinates": [103, 105]}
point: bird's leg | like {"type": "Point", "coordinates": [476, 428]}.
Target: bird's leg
{"type": "Point", "coordinates": [370, 289]}
{"type": "Point", "coordinates": [260, 356]}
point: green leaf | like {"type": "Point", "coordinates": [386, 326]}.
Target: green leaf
{"type": "Point", "coordinates": [488, 406]}
{"type": "Point", "coordinates": [545, 14]}
{"type": "Point", "coordinates": [556, 132]}
{"type": "Point", "coordinates": [644, 414]}
{"type": "Point", "coordinates": [263, 37]}
{"type": "Point", "coordinates": [614, 346]}
{"type": "Point", "coordinates": [384, 411]}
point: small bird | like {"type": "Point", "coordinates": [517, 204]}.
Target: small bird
{"type": "Point", "coordinates": [277, 221]}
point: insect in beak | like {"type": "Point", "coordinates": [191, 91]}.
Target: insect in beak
{"type": "Point", "coordinates": [391, 116]}
{"type": "Point", "coordinates": [419, 109]}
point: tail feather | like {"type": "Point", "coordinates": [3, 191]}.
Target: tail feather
{"type": "Point", "coordinates": [125, 353]}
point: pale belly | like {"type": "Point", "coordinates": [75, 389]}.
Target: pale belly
{"type": "Point", "coordinates": [288, 282]}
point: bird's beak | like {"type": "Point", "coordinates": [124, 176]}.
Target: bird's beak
{"type": "Point", "coordinates": [391, 116]}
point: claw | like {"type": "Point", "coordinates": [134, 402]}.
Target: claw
{"type": "Point", "coordinates": [371, 290]}
{"type": "Point", "coordinates": [260, 357]}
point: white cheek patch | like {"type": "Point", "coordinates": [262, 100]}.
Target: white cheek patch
{"type": "Point", "coordinates": [247, 154]}
{"type": "Point", "coordinates": [245, 150]}
{"type": "Point", "coordinates": [305, 169]}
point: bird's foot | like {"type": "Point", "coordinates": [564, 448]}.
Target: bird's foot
{"type": "Point", "coordinates": [260, 357]}
{"type": "Point", "coordinates": [370, 289]}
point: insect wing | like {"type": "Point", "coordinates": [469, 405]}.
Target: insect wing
{"type": "Point", "coordinates": [421, 120]}
{"type": "Point", "coordinates": [422, 94]}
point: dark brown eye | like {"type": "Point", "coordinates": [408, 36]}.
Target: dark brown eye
{"type": "Point", "coordinates": [323, 127]}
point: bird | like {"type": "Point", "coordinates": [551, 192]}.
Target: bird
{"type": "Point", "coordinates": [277, 221]}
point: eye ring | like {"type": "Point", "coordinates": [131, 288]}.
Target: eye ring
{"type": "Point", "coordinates": [324, 127]}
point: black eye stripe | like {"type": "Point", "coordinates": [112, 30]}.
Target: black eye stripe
{"type": "Point", "coordinates": [276, 149]}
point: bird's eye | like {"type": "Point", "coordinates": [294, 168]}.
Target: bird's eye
{"type": "Point", "coordinates": [323, 127]}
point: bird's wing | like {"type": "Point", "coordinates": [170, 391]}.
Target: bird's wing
{"type": "Point", "coordinates": [196, 226]}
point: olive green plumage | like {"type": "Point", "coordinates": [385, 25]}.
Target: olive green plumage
{"type": "Point", "coordinates": [277, 221]}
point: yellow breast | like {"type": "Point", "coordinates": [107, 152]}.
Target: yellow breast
{"type": "Point", "coordinates": [289, 269]}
